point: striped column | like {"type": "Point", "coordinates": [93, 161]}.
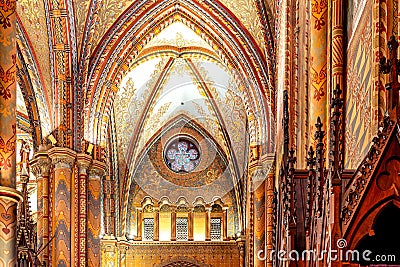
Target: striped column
{"type": "Point", "coordinates": [318, 63]}
{"type": "Point", "coordinates": [40, 166]}
{"type": "Point", "coordinates": [259, 224]}
{"type": "Point", "coordinates": [8, 195]}
{"type": "Point", "coordinates": [63, 160]}
{"type": "Point", "coordinates": [80, 247]}
{"type": "Point", "coordinates": [96, 173]}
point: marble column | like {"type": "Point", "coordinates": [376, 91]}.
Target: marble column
{"type": "Point", "coordinates": [63, 161]}
{"type": "Point", "coordinates": [9, 197]}
{"type": "Point", "coordinates": [318, 63]}
{"type": "Point", "coordinates": [96, 173]}
{"type": "Point", "coordinates": [40, 166]}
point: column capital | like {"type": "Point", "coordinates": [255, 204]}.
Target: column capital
{"type": "Point", "coordinates": [97, 169]}
{"type": "Point", "coordinates": [83, 161]}
{"type": "Point", "coordinates": [40, 164]}
{"type": "Point", "coordinates": [62, 157]}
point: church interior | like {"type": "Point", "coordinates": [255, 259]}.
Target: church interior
{"type": "Point", "coordinates": [199, 133]}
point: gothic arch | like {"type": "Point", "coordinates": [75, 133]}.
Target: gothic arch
{"type": "Point", "coordinates": [31, 83]}
{"type": "Point", "coordinates": [129, 180]}
{"type": "Point", "coordinates": [123, 42]}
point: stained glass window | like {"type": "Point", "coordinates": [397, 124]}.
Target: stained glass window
{"type": "Point", "coordinates": [182, 155]}
{"type": "Point", "coordinates": [216, 229]}
{"type": "Point", "coordinates": [181, 229]}
{"type": "Point", "coordinates": [148, 229]}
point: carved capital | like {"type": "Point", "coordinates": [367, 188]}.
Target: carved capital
{"type": "Point", "coordinates": [40, 165]}
{"type": "Point", "coordinates": [97, 170]}
{"type": "Point", "coordinates": [83, 161]}
{"type": "Point", "coordinates": [62, 158]}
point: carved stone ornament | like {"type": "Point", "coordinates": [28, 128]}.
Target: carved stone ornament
{"type": "Point", "coordinates": [97, 170]}
{"type": "Point", "coordinates": [40, 166]}
{"type": "Point", "coordinates": [62, 161]}
{"type": "Point", "coordinates": [62, 158]}
{"type": "Point", "coordinates": [83, 161]}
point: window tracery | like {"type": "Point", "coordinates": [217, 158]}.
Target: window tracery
{"type": "Point", "coordinates": [182, 154]}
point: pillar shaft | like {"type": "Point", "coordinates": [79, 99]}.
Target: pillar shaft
{"type": "Point", "coordinates": [259, 224]}
{"type": "Point", "coordinates": [8, 196]}
{"type": "Point", "coordinates": [40, 166]}
{"type": "Point", "coordinates": [208, 224]}
{"type": "Point", "coordinates": [80, 209]}
{"type": "Point", "coordinates": [96, 173]}
{"type": "Point", "coordinates": [8, 221]}
{"type": "Point", "coordinates": [63, 161]}
{"type": "Point", "coordinates": [318, 63]}
{"type": "Point", "coordinates": [139, 224]}
{"type": "Point", "coordinates": [107, 205]}
{"type": "Point", "coordinates": [156, 225]}
{"type": "Point", "coordinates": [190, 225]}
{"type": "Point", "coordinates": [337, 44]}
{"type": "Point", "coordinates": [173, 225]}
{"type": "Point", "coordinates": [8, 95]}
{"type": "Point", "coordinates": [269, 184]}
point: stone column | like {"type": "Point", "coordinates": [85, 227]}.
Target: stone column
{"type": "Point", "coordinates": [156, 224]}
{"type": "Point", "coordinates": [318, 63]}
{"type": "Point", "coordinates": [40, 166]}
{"type": "Point", "coordinates": [109, 252]}
{"type": "Point", "coordinates": [259, 224]}
{"type": "Point", "coordinates": [8, 195]}
{"type": "Point", "coordinates": [96, 173]}
{"type": "Point", "coordinates": [173, 223]}
{"type": "Point", "coordinates": [80, 210]}
{"type": "Point", "coordinates": [224, 223]}
{"type": "Point", "coordinates": [63, 160]}
{"type": "Point", "coordinates": [139, 224]}
{"type": "Point", "coordinates": [208, 223]}
{"type": "Point", "coordinates": [108, 207]}
{"type": "Point", "coordinates": [190, 225]}
{"type": "Point", "coordinates": [241, 242]}
{"type": "Point", "coordinates": [269, 184]}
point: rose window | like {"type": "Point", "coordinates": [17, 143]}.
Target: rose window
{"type": "Point", "coordinates": [182, 155]}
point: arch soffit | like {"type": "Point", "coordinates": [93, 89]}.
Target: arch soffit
{"type": "Point", "coordinates": [120, 51]}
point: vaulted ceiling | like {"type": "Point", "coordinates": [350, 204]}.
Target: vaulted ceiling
{"type": "Point", "coordinates": [144, 64]}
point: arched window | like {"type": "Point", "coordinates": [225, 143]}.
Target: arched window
{"type": "Point", "coordinates": [216, 223]}
{"type": "Point", "coordinates": [182, 230]}
{"type": "Point", "coordinates": [148, 223]}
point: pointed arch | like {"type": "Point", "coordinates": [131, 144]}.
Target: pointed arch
{"type": "Point", "coordinates": [214, 23]}
{"type": "Point", "coordinates": [31, 82]}
{"type": "Point", "coordinates": [129, 181]}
